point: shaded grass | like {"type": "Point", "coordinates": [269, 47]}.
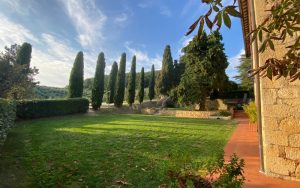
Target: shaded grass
{"type": "Point", "coordinates": [95, 151]}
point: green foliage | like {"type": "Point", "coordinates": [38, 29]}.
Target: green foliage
{"type": "Point", "coordinates": [245, 66]}
{"type": "Point", "coordinates": [112, 83]}
{"type": "Point", "coordinates": [28, 109]}
{"type": "Point", "coordinates": [16, 77]}
{"type": "Point", "coordinates": [46, 92]}
{"type": "Point", "coordinates": [7, 117]}
{"type": "Point", "coordinates": [151, 93]}
{"type": "Point", "coordinates": [221, 174]}
{"type": "Point", "coordinates": [120, 90]}
{"type": "Point", "coordinates": [250, 110]}
{"type": "Point", "coordinates": [279, 26]}
{"type": "Point", "coordinates": [76, 77]}
{"type": "Point", "coordinates": [98, 83]}
{"type": "Point", "coordinates": [178, 71]}
{"type": "Point", "coordinates": [24, 55]}
{"type": "Point", "coordinates": [225, 113]}
{"type": "Point", "coordinates": [142, 86]}
{"type": "Point", "coordinates": [67, 150]}
{"type": "Point", "coordinates": [205, 64]}
{"type": "Point", "coordinates": [131, 82]}
{"type": "Point", "coordinates": [166, 76]}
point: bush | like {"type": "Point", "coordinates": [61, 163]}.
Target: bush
{"type": "Point", "coordinates": [7, 117]}
{"type": "Point", "coordinates": [250, 110]}
{"type": "Point", "coordinates": [27, 109]}
{"type": "Point", "coordinates": [222, 113]}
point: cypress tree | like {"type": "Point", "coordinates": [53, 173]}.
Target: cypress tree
{"type": "Point", "coordinates": [120, 90]}
{"type": "Point", "coordinates": [151, 93]}
{"type": "Point", "coordinates": [76, 77]}
{"type": "Point", "coordinates": [98, 84]}
{"type": "Point", "coordinates": [165, 79]}
{"type": "Point", "coordinates": [24, 54]}
{"type": "Point", "coordinates": [142, 85]}
{"type": "Point", "coordinates": [131, 82]}
{"type": "Point", "coordinates": [112, 83]}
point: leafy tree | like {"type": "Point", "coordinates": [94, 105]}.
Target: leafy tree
{"type": "Point", "coordinates": [112, 83]}
{"type": "Point", "coordinates": [131, 82]}
{"type": "Point", "coordinates": [76, 77]}
{"type": "Point", "coordinates": [165, 79]}
{"type": "Point", "coordinates": [142, 85]}
{"type": "Point", "coordinates": [120, 90]}
{"type": "Point", "coordinates": [279, 26]}
{"type": "Point", "coordinates": [178, 71]}
{"type": "Point", "coordinates": [205, 64]}
{"type": "Point", "coordinates": [16, 76]}
{"type": "Point", "coordinates": [151, 93]}
{"type": "Point", "coordinates": [98, 84]}
{"type": "Point", "coordinates": [246, 82]}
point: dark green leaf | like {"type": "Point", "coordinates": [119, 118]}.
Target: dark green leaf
{"type": "Point", "coordinates": [227, 20]}
{"type": "Point", "coordinates": [208, 22]}
{"type": "Point", "coordinates": [271, 44]}
{"type": "Point", "coordinates": [260, 35]}
{"type": "Point", "coordinates": [233, 12]}
{"type": "Point", "coordinates": [269, 73]}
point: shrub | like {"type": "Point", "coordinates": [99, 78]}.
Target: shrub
{"type": "Point", "coordinates": [221, 174]}
{"type": "Point", "coordinates": [250, 110]}
{"type": "Point", "coordinates": [46, 108]}
{"type": "Point", "coordinates": [7, 117]}
{"type": "Point", "coordinates": [222, 113]}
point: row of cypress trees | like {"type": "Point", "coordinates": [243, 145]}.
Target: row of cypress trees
{"type": "Point", "coordinates": [116, 86]}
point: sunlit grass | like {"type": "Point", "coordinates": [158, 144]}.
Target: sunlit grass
{"type": "Point", "coordinates": [80, 151]}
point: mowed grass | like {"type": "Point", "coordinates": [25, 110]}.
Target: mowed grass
{"type": "Point", "coordinates": [96, 151]}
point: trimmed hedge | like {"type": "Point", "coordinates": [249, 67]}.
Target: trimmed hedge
{"type": "Point", "coordinates": [7, 117]}
{"type": "Point", "coordinates": [27, 109]}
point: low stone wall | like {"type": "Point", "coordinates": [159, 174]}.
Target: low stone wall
{"type": "Point", "coordinates": [188, 114]}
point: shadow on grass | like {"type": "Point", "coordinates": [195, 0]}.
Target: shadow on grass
{"type": "Point", "coordinates": [76, 151]}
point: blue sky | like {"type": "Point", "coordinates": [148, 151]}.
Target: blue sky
{"type": "Point", "coordinates": [58, 29]}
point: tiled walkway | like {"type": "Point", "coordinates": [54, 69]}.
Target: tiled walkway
{"type": "Point", "coordinates": [244, 142]}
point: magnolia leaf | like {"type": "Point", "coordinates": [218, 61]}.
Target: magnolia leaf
{"type": "Point", "coordinates": [233, 12]}
{"type": "Point", "coordinates": [260, 35]}
{"type": "Point", "coordinates": [208, 22]}
{"type": "Point", "coordinates": [271, 44]}
{"type": "Point", "coordinates": [227, 20]}
{"type": "Point", "coordinates": [269, 73]}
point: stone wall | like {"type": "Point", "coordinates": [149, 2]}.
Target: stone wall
{"type": "Point", "coordinates": [280, 115]}
{"type": "Point", "coordinates": [188, 114]}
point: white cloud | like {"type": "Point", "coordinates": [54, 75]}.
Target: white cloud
{"type": "Point", "coordinates": [233, 63]}
{"type": "Point", "coordinates": [54, 62]}
{"type": "Point", "coordinates": [121, 18]}
{"type": "Point", "coordinates": [164, 10]}
{"type": "Point", "coordinates": [19, 6]}
{"type": "Point", "coordinates": [184, 41]}
{"type": "Point", "coordinates": [143, 59]}
{"type": "Point", "coordinates": [12, 33]}
{"type": "Point", "coordinates": [87, 19]}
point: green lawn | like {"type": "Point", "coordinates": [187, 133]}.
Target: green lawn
{"type": "Point", "coordinates": [95, 151]}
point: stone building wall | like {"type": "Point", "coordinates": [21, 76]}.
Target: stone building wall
{"type": "Point", "coordinates": [280, 115]}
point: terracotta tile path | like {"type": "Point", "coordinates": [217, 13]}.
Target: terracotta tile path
{"type": "Point", "coordinates": [244, 142]}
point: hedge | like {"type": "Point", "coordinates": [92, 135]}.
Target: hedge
{"type": "Point", "coordinates": [28, 109]}
{"type": "Point", "coordinates": [7, 117]}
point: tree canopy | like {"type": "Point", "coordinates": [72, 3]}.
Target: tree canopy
{"type": "Point", "coordinates": [131, 82]}
{"type": "Point", "coordinates": [76, 77]}
{"type": "Point", "coordinates": [120, 90]}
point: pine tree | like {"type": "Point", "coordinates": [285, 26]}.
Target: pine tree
{"type": "Point", "coordinates": [76, 77]}
{"type": "Point", "coordinates": [120, 90]}
{"type": "Point", "coordinates": [151, 93]}
{"type": "Point", "coordinates": [142, 86]}
{"type": "Point", "coordinates": [98, 84]}
{"type": "Point", "coordinates": [112, 83]}
{"type": "Point", "coordinates": [165, 79]}
{"type": "Point", "coordinates": [131, 82]}
{"type": "Point", "coordinates": [24, 55]}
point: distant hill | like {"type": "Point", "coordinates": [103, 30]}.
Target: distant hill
{"type": "Point", "coordinates": [45, 92]}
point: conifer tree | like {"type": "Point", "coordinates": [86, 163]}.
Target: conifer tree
{"type": "Point", "coordinates": [142, 86]}
{"type": "Point", "coordinates": [24, 54]}
{"type": "Point", "coordinates": [98, 84]}
{"type": "Point", "coordinates": [112, 83]}
{"type": "Point", "coordinates": [120, 90]}
{"type": "Point", "coordinates": [131, 82]}
{"type": "Point", "coordinates": [165, 79]}
{"type": "Point", "coordinates": [151, 93]}
{"type": "Point", "coordinates": [76, 77]}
